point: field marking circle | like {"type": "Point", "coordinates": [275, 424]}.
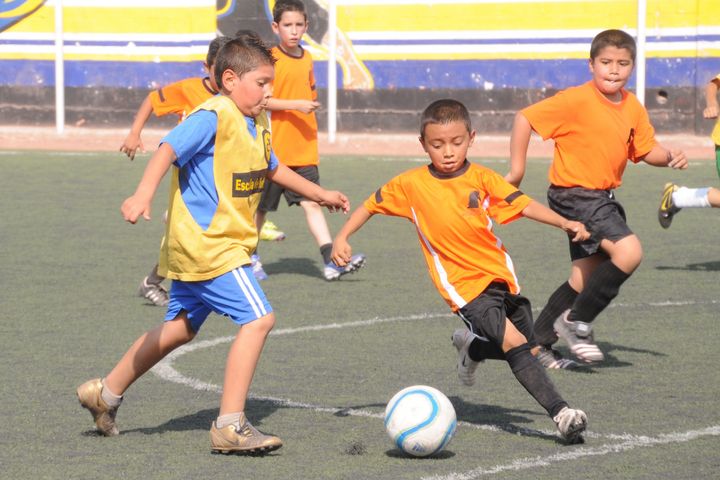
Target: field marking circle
{"type": "Point", "coordinates": [618, 443]}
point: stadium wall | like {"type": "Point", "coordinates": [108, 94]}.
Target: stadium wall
{"type": "Point", "coordinates": [395, 56]}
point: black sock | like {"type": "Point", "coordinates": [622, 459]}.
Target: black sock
{"type": "Point", "coordinates": [480, 350]}
{"type": "Point", "coordinates": [154, 278]}
{"type": "Point", "coordinates": [602, 287]}
{"type": "Point", "coordinates": [534, 378]}
{"type": "Point", "coordinates": [326, 251]}
{"type": "Point", "coordinates": [561, 300]}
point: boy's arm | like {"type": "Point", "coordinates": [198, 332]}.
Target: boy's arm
{"type": "Point", "coordinates": [662, 157]}
{"type": "Point", "coordinates": [711, 102]}
{"type": "Point", "coordinates": [519, 140]}
{"type": "Point", "coordinates": [540, 213]}
{"type": "Point", "coordinates": [342, 251]}
{"type": "Point", "coordinates": [287, 178]}
{"type": "Point", "coordinates": [139, 203]}
{"type": "Point", "coordinates": [133, 142]}
{"type": "Point", "coordinates": [304, 106]}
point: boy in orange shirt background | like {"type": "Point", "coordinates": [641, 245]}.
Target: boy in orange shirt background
{"type": "Point", "coordinates": [453, 204]}
{"type": "Point", "coordinates": [294, 132]}
{"type": "Point", "coordinates": [596, 127]}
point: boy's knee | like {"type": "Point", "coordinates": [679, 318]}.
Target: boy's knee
{"type": "Point", "coordinates": [264, 324]}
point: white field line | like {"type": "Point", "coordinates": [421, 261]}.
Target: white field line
{"type": "Point", "coordinates": [165, 370]}
{"type": "Point", "coordinates": [630, 443]}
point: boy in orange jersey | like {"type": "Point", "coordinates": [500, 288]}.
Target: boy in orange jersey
{"type": "Point", "coordinates": [219, 157]}
{"type": "Point", "coordinates": [294, 129]}
{"type": "Point", "coordinates": [179, 98]}
{"type": "Point", "coordinates": [596, 127]}
{"type": "Point", "coordinates": [452, 204]}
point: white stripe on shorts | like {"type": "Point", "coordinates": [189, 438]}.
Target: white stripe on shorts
{"type": "Point", "coordinates": [249, 290]}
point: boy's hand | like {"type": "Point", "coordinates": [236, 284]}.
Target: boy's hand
{"type": "Point", "coordinates": [677, 160]}
{"type": "Point", "coordinates": [131, 145]}
{"type": "Point", "coordinates": [577, 230]}
{"type": "Point", "coordinates": [341, 252]}
{"type": "Point", "coordinates": [711, 111]}
{"type": "Point", "coordinates": [133, 207]}
{"type": "Point", "coordinates": [335, 201]}
{"type": "Point", "coordinates": [307, 106]}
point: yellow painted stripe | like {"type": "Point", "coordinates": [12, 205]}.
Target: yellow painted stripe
{"type": "Point", "coordinates": [122, 20]}
{"type": "Point", "coordinates": [105, 58]}
{"type": "Point", "coordinates": [594, 14]}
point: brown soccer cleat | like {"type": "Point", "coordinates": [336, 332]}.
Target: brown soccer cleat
{"type": "Point", "coordinates": [245, 440]}
{"type": "Point", "coordinates": [89, 395]}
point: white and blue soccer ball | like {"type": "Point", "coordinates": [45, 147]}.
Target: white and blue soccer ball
{"type": "Point", "coordinates": [420, 420]}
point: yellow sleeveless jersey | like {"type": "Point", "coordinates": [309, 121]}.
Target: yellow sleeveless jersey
{"type": "Point", "coordinates": [240, 164]}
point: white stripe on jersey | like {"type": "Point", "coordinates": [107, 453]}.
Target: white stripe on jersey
{"type": "Point", "coordinates": [249, 291]}
{"type": "Point", "coordinates": [454, 296]}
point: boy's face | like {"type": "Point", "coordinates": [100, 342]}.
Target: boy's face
{"type": "Point", "coordinates": [611, 69]}
{"type": "Point", "coordinates": [447, 145]}
{"type": "Point", "coordinates": [211, 76]}
{"type": "Point", "coordinates": [251, 91]}
{"type": "Point", "coordinates": [290, 29]}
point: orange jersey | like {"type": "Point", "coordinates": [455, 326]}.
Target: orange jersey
{"type": "Point", "coordinates": [594, 137]}
{"type": "Point", "coordinates": [294, 133]}
{"type": "Point", "coordinates": [181, 97]}
{"type": "Point", "coordinates": [453, 215]}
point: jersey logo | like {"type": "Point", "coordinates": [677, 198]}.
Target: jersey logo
{"type": "Point", "coordinates": [267, 143]}
{"type": "Point", "coordinates": [13, 11]}
{"type": "Point", "coordinates": [250, 183]}
{"type": "Point", "coordinates": [474, 200]}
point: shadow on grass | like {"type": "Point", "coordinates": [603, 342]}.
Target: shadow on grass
{"type": "Point", "coordinates": [713, 266]}
{"type": "Point", "coordinates": [442, 455]}
{"type": "Point", "coordinates": [298, 265]}
{"type": "Point", "coordinates": [256, 411]}
{"type": "Point", "coordinates": [611, 361]}
{"type": "Point", "coordinates": [501, 418]}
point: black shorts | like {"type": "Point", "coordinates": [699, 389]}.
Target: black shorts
{"type": "Point", "coordinates": [485, 315]}
{"type": "Point", "coordinates": [598, 210]}
{"type": "Point", "coordinates": [270, 198]}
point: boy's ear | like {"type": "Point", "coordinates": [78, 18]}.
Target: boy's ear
{"type": "Point", "coordinates": [275, 28]}
{"type": "Point", "coordinates": [206, 66]}
{"type": "Point", "coordinates": [422, 142]}
{"type": "Point", "coordinates": [472, 138]}
{"type": "Point", "coordinates": [228, 79]}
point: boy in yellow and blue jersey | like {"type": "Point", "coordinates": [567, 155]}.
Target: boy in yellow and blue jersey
{"type": "Point", "coordinates": [221, 156]}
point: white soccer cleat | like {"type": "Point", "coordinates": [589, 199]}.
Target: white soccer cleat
{"type": "Point", "coordinates": [461, 339]}
{"type": "Point", "coordinates": [580, 338]}
{"type": "Point", "coordinates": [571, 423]}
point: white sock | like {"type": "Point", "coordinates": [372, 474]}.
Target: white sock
{"type": "Point", "coordinates": [228, 419]}
{"type": "Point", "coordinates": [685, 197]}
{"type": "Point", "coordinates": [112, 400]}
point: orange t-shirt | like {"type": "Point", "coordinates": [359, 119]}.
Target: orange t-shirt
{"type": "Point", "coordinates": [453, 215]}
{"type": "Point", "coordinates": [294, 134]}
{"type": "Point", "coordinates": [594, 137]}
{"type": "Point", "coordinates": [181, 97]}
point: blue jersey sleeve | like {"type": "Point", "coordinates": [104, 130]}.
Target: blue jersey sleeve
{"type": "Point", "coordinates": [195, 135]}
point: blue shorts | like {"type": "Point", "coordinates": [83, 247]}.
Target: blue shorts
{"type": "Point", "coordinates": [235, 294]}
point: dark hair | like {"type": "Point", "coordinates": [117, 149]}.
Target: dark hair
{"type": "Point", "coordinates": [612, 38]}
{"type": "Point", "coordinates": [248, 34]}
{"type": "Point", "coordinates": [242, 55]}
{"type": "Point", "coordinates": [282, 6]}
{"type": "Point", "coordinates": [214, 48]}
{"type": "Point", "coordinates": [442, 112]}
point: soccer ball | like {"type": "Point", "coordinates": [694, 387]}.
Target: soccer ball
{"type": "Point", "coordinates": [420, 420]}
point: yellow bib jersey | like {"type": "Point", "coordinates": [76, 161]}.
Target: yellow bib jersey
{"type": "Point", "coordinates": [202, 247]}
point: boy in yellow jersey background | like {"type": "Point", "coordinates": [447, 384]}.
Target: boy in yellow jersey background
{"type": "Point", "coordinates": [220, 158]}
{"type": "Point", "coordinates": [674, 198]}
{"type": "Point", "coordinates": [295, 129]}
{"type": "Point", "coordinates": [596, 127]}
{"type": "Point", "coordinates": [453, 204]}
